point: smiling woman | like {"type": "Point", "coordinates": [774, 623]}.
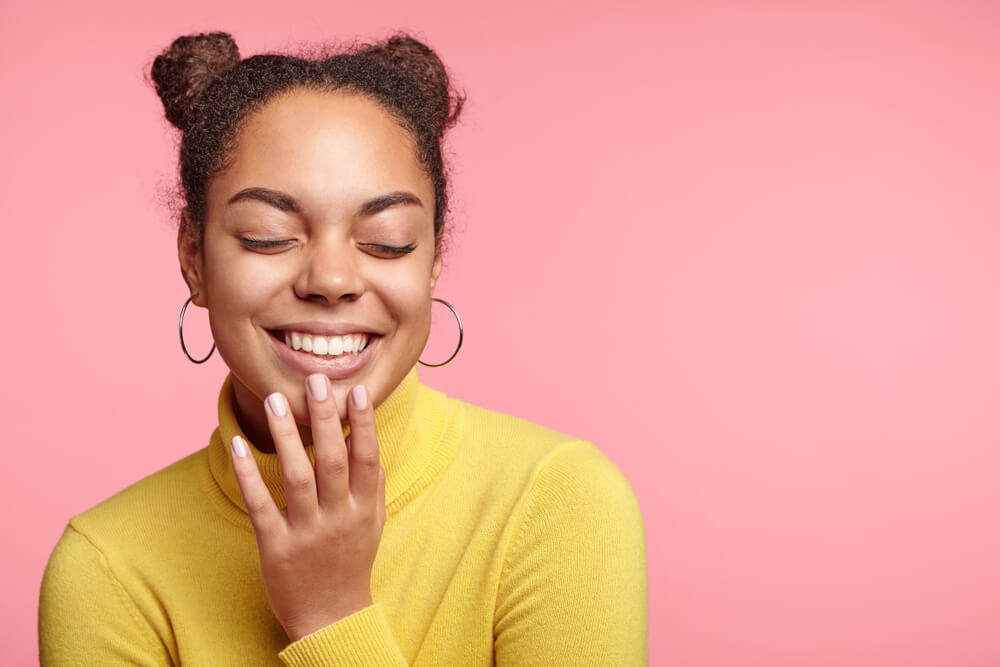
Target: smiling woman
{"type": "Point", "coordinates": [321, 189]}
{"type": "Point", "coordinates": [309, 530]}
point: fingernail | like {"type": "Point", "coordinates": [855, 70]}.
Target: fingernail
{"type": "Point", "coordinates": [360, 397]}
{"type": "Point", "coordinates": [277, 404]}
{"type": "Point", "coordinates": [317, 387]}
{"type": "Point", "coordinates": [239, 447]}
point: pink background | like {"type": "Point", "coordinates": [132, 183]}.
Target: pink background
{"type": "Point", "coordinates": [748, 249]}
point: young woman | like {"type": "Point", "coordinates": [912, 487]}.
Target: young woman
{"type": "Point", "coordinates": [343, 512]}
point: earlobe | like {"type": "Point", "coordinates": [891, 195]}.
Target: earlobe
{"type": "Point", "coordinates": [189, 255]}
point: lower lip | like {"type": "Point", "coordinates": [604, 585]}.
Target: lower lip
{"type": "Point", "coordinates": [336, 368]}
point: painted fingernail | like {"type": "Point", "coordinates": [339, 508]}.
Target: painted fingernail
{"type": "Point", "coordinates": [239, 447]}
{"type": "Point", "coordinates": [277, 404]}
{"type": "Point", "coordinates": [317, 387]}
{"type": "Point", "coordinates": [360, 397]}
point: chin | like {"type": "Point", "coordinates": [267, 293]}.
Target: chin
{"type": "Point", "coordinates": [340, 397]}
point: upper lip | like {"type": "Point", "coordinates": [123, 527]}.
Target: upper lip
{"type": "Point", "coordinates": [326, 328]}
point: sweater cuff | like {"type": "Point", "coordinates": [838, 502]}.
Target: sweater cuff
{"type": "Point", "coordinates": [363, 638]}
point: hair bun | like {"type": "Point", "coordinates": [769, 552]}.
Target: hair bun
{"type": "Point", "coordinates": [183, 71]}
{"type": "Point", "coordinates": [417, 61]}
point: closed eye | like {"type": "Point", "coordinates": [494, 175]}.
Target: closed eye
{"type": "Point", "coordinates": [379, 247]}
{"type": "Point", "coordinates": [260, 243]}
{"type": "Point", "coordinates": [395, 250]}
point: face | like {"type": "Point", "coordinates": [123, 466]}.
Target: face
{"type": "Point", "coordinates": [320, 228]}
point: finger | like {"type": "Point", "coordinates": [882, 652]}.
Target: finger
{"type": "Point", "coordinates": [296, 471]}
{"type": "Point", "coordinates": [260, 506]}
{"type": "Point", "coordinates": [328, 442]}
{"type": "Point", "coordinates": [364, 455]}
{"type": "Point", "coordinates": [380, 498]}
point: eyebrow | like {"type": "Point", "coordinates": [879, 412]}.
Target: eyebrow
{"type": "Point", "coordinates": [382, 202]}
{"type": "Point", "coordinates": [276, 199]}
{"type": "Point", "coordinates": [285, 202]}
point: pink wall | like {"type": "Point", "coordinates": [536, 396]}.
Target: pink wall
{"type": "Point", "coordinates": [748, 249]}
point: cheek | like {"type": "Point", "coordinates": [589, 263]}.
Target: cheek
{"type": "Point", "coordinates": [237, 288]}
{"type": "Point", "coordinates": [408, 298]}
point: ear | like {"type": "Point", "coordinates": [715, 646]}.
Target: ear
{"type": "Point", "coordinates": [189, 253]}
{"type": "Point", "coordinates": [436, 268]}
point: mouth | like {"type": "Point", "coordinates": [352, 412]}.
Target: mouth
{"type": "Point", "coordinates": [325, 347]}
{"type": "Point", "coordinates": [344, 357]}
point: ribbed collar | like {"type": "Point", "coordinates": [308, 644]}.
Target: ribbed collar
{"type": "Point", "coordinates": [417, 430]}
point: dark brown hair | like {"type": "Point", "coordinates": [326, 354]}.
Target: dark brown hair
{"type": "Point", "coordinates": [208, 90]}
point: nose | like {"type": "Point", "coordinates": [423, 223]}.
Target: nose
{"type": "Point", "coordinates": [331, 272]}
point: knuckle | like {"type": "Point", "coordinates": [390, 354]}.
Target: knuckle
{"type": "Point", "coordinates": [325, 413]}
{"type": "Point", "coordinates": [284, 428]}
{"type": "Point", "coordinates": [366, 420]}
{"type": "Point", "coordinates": [257, 505]}
{"type": "Point", "coordinates": [280, 553]}
{"type": "Point", "coordinates": [367, 458]}
{"type": "Point", "coordinates": [299, 480]}
{"type": "Point", "coordinates": [333, 463]}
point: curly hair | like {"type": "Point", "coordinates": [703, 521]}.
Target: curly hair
{"type": "Point", "coordinates": [208, 91]}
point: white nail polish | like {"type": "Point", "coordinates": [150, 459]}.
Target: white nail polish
{"type": "Point", "coordinates": [277, 404]}
{"type": "Point", "coordinates": [239, 447]}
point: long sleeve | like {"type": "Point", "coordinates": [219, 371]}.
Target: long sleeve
{"type": "Point", "coordinates": [573, 586]}
{"type": "Point", "coordinates": [86, 617]}
{"type": "Point", "coordinates": [363, 638]}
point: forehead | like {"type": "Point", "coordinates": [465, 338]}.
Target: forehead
{"type": "Point", "coordinates": [325, 147]}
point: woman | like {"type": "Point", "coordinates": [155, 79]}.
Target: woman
{"type": "Point", "coordinates": [343, 512]}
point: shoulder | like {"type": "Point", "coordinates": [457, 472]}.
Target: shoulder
{"type": "Point", "coordinates": [554, 467]}
{"type": "Point", "coordinates": [506, 436]}
{"type": "Point", "coordinates": [147, 507]}
{"type": "Point", "coordinates": [579, 485]}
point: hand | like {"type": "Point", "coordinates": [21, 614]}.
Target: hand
{"type": "Point", "coordinates": [316, 554]}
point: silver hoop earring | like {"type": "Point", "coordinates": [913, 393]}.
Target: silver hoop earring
{"type": "Point", "coordinates": [461, 334]}
{"type": "Point", "coordinates": [180, 327]}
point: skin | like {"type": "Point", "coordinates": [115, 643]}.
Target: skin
{"type": "Point", "coordinates": [331, 153]}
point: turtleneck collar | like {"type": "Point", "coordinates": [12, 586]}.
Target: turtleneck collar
{"type": "Point", "coordinates": [417, 431]}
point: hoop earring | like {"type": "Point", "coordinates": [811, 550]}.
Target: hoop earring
{"type": "Point", "coordinates": [461, 334]}
{"type": "Point", "coordinates": [180, 328]}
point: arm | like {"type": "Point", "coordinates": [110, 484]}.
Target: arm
{"type": "Point", "coordinates": [573, 585]}
{"type": "Point", "coordinates": [85, 617]}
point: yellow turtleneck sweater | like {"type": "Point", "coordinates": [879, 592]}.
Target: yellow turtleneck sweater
{"type": "Point", "coordinates": [504, 543]}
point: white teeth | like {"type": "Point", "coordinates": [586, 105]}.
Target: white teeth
{"type": "Point", "coordinates": [327, 345]}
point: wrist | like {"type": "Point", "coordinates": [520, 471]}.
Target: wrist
{"type": "Point", "coordinates": [307, 626]}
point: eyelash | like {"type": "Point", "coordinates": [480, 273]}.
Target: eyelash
{"type": "Point", "coordinates": [401, 250]}
{"type": "Point", "coordinates": [258, 243]}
